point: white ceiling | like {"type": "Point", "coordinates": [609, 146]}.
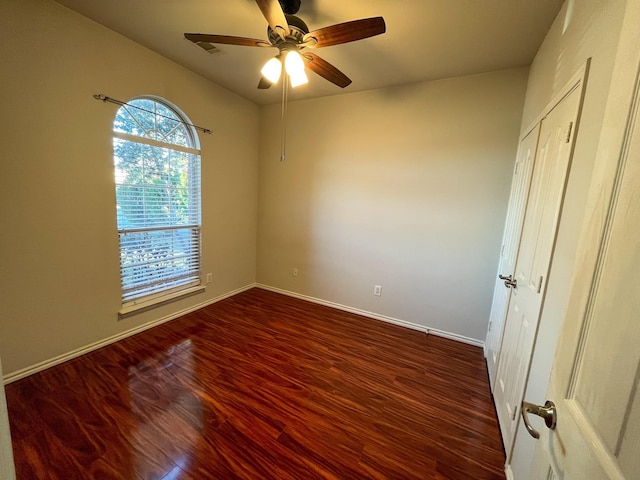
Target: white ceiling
{"type": "Point", "coordinates": [425, 39]}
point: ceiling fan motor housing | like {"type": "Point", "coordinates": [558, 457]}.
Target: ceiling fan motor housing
{"type": "Point", "coordinates": [290, 7]}
{"type": "Point", "coordinates": [297, 30]}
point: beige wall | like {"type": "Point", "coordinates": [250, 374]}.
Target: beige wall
{"type": "Point", "coordinates": [583, 29]}
{"type": "Point", "coordinates": [402, 187]}
{"type": "Point", "coordinates": [59, 282]}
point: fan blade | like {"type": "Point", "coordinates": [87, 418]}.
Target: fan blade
{"type": "Point", "coordinates": [326, 70]}
{"type": "Point", "coordinates": [263, 84]}
{"type": "Point", "coordinates": [345, 32]}
{"type": "Point", "coordinates": [272, 11]}
{"type": "Point", "coordinates": [226, 39]}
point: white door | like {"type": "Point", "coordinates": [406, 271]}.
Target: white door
{"type": "Point", "coordinates": [542, 214]}
{"type": "Point", "coordinates": [595, 379]}
{"type": "Point", "coordinates": [509, 250]}
{"type": "Point", "coordinates": [7, 471]}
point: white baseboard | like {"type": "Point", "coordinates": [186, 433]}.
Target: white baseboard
{"type": "Point", "coordinates": [38, 367]}
{"type": "Point", "coordinates": [376, 316]}
{"type": "Point", "coordinates": [508, 472]}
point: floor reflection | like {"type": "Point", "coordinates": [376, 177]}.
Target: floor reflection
{"type": "Point", "coordinates": [163, 400]}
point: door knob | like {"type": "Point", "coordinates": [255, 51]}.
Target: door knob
{"type": "Point", "coordinates": [548, 413]}
{"type": "Point", "coordinates": [502, 277]}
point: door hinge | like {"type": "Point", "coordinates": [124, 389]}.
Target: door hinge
{"type": "Point", "coordinates": [569, 132]}
{"type": "Point", "coordinates": [517, 168]}
{"type": "Point", "coordinates": [502, 250]}
{"type": "Point", "coordinates": [539, 286]}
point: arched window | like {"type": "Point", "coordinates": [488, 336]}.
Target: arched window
{"type": "Point", "coordinates": [157, 171]}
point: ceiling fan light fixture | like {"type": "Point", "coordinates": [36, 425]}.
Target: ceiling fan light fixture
{"type": "Point", "coordinates": [293, 63]}
{"type": "Point", "coordinates": [272, 70]}
{"type": "Point", "coordinates": [298, 78]}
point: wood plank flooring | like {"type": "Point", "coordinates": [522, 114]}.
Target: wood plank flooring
{"type": "Point", "coordinates": [261, 386]}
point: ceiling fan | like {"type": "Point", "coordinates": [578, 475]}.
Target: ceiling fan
{"type": "Point", "coordinates": [291, 36]}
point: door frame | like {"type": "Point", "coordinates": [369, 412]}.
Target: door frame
{"type": "Point", "coordinates": [7, 469]}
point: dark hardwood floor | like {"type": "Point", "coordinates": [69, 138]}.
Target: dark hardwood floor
{"type": "Point", "coordinates": [261, 386]}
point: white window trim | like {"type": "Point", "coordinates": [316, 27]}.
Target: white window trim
{"type": "Point", "coordinates": [161, 297]}
{"type": "Point", "coordinates": [155, 143]}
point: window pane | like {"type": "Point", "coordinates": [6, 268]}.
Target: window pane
{"type": "Point", "coordinates": [149, 119]}
{"type": "Point", "coordinates": [135, 122]}
{"type": "Point", "coordinates": [169, 127]}
{"type": "Point", "coordinates": [176, 134]}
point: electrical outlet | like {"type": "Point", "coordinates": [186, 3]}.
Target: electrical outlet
{"type": "Point", "coordinates": [209, 277]}
{"type": "Point", "coordinates": [377, 290]}
{"type": "Point", "coordinates": [295, 271]}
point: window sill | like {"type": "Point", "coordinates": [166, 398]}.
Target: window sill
{"type": "Point", "coordinates": [144, 305]}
